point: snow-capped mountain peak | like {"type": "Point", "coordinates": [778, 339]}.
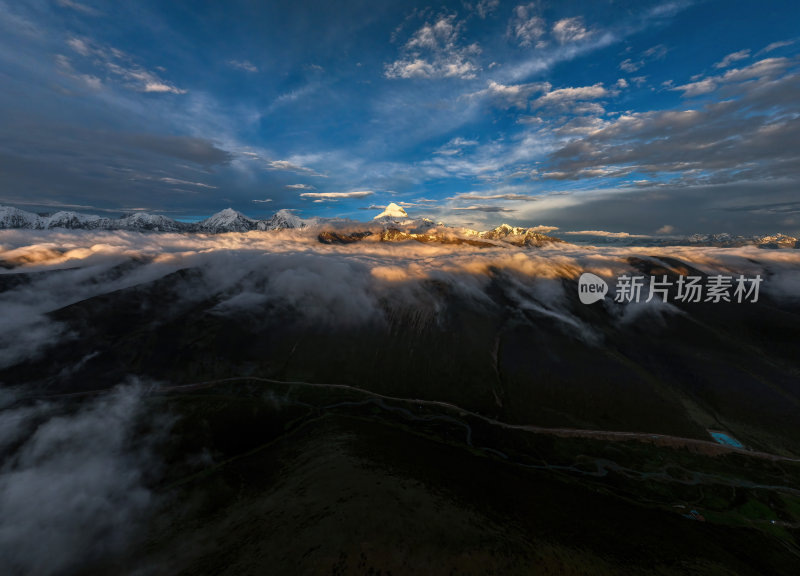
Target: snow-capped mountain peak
{"type": "Point", "coordinates": [11, 217]}
{"type": "Point", "coordinates": [227, 220]}
{"type": "Point", "coordinates": [502, 231]}
{"type": "Point", "coordinates": [392, 211]}
{"type": "Point", "coordinates": [154, 222]}
{"type": "Point", "coordinates": [227, 215]}
{"type": "Point", "coordinates": [282, 219]}
{"type": "Point", "coordinates": [65, 219]}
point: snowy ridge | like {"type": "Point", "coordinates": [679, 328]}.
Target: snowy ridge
{"type": "Point", "coordinates": [227, 220]}
{"type": "Point", "coordinates": [15, 218]}
{"type": "Point", "coordinates": [394, 220]}
{"type": "Point", "coordinates": [282, 220]}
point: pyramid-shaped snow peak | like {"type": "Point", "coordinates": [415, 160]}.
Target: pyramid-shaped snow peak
{"type": "Point", "coordinates": [228, 220]}
{"type": "Point", "coordinates": [392, 211]}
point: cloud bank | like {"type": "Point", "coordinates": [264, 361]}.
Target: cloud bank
{"type": "Point", "coordinates": [333, 285]}
{"type": "Point", "coordinates": [72, 485]}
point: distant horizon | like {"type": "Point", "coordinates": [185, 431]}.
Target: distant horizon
{"type": "Point", "coordinates": [544, 228]}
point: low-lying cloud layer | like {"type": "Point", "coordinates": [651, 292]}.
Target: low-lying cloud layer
{"type": "Point", "coordinates": [336, 285]}
{"type": "Point", "coordinates": [72, 485]}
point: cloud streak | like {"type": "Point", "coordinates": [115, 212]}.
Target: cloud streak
{"type": "Point", "coordinates": [337, 195]}
{"type": "Point", "coordinates": [119, 66]}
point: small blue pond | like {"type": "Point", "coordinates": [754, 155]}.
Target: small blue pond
{"type": "Point", "coordinates": [723, 438]}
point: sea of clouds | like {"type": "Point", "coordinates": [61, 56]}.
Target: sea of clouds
{"type": "Point", "coordinates": [335, 284]}
{"type": "Point", "coordinates": [73, 485]}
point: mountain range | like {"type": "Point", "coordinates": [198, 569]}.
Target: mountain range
{"type": "Point", "coordinates": [396, 223]}
{"type": "Point", "coordinates": [227, 220]}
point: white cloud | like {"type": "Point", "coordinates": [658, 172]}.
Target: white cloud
{"type": "Point", "coordinates": [76, 485]}
{"type": "Point", "coordinates": [290, 166]}
{"type": "Point", "coordinates": [604, 234]}
{"type": "Point", "coordinates": [436, 51]}
{"type": "Point", "coordinates": [264, 201]}
{"type": "Point", "coordinates": [731, 58]}
{"type": "Point", "coordinates": [697, 88]}
{"type": "Point", "coordinates": [245, 65]}
{"type": "Point", "coordinates": [154, 86]}
{"type": "Point", "coordinates": [776, 45]}
{"type": "Point", "coordinates": [476, 196]}
{"type": "Point", "coordinates": [570, 30]}
{"type": "Point", "coordinates": [484, 208]}
{"type": "Point", "coordinates": [299, 187]}
{"type": "Point", "coordinates": [656, 52]}
{"type": "Point", "coordinates": [506, 193]}
{"type": "Point", "coordinates": [629, 65]}
{"type": "Point", "coordinates": [458, 141]}
{"type": "Point", "coordinates": [767, 68]}
{"type": "Point", "coordinates": [80, 46]}
{"type": "Point", "coordinates": [516, 95]}
{"type": "Point", "coordinates": [763, 68]}
{"type": "Point", "coordinates": [526, 27]}
{"type": "Point", "coordinates": [186, 182]}
{"type": "Point", "coordinates": [78, 7]}
{"type": "Point", "coordinates": [337, 195]}
{"type": "Point", "coordinates": [119, 66]}
{"type": "Point", "coordinates": [88, 80]}
{"type": "Point", "coordinates": [485, 7]}
{"type": "Point", "coordinates": [562, 96]}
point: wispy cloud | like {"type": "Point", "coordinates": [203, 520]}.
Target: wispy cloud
{"type": "Point", "coordinates": [698, 88]}
{"type": "Point", "coordinates": [245, 65]}
{"type": "Point", "coordinates": [78, 7]}
{"type": "Point", "coordinates": [765, 69]}
{"type": "Point", "coordinates": [186, 182]}
{"type": "Point", "coordinates": [471, 196]}
{"type": "Point", "coordinates": [603, 233]}
{"type": "Point", "coordinates": [337, 195]}
{"type": "Point", "coordinates": [731, 58]}
{"type": "Point", "coordinates": [290, 166]}
{"type": "Point", "coordinates": [121, 67]}
{"type": "Point", "coordinates": [631, 65]}
{"type": "Point", "coordinates": [456, 146]}
{"type": "Point", "coordinates": [484, 208]}
{"type": "Point", "coordinates": [299, 187]}
{"type": "Point", "coordinates": [776, 45]}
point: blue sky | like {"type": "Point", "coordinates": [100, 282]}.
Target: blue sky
{"type": "Point", "coordinates": [645, 117]}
